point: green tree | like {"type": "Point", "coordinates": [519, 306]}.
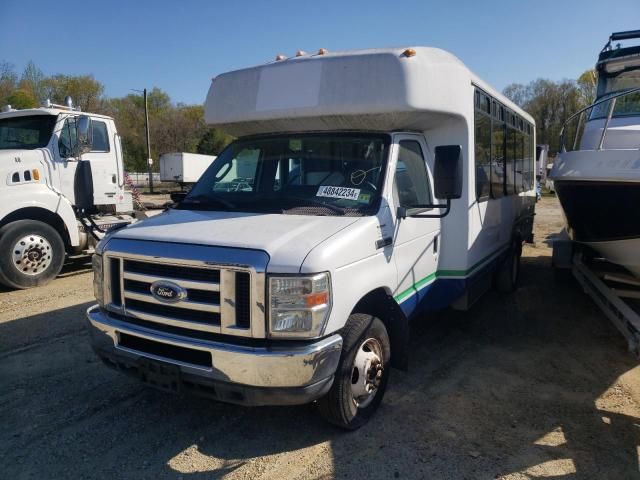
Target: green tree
{"type": "Point", "coordinates": [21, 98]}
{"type": "Point", "coordinates": [587, 83]}
{"type": "Point", "coordinates": [8, 82]}
{"type": "Point", "coordinates": [213, 141]}
{"type": "Point", "coordinates": [86, 91]}
{"type": "Point", "coordinates": [32, 80]}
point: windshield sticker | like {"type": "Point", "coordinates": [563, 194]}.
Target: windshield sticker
{"type": "Point", "coordinates": [338, 192]}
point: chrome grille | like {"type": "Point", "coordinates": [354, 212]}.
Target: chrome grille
{"type": "Point", "coordinates": [218, 298]}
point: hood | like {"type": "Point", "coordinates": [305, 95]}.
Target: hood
{"type": "Point", "coordinates": [10, 155]}
{"type": "Point", "coordinates": [287, 239]}
{"type": "Point", "coordinates": [17, 161]}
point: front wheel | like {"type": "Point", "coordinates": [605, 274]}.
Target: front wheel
{"type": "Point", "coordinates": [362, 373]}
{"type": "Point", "coordinates": [31, 254]}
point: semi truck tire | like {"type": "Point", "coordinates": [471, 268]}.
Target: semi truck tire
{"type": "Point", "coordinates": [508, 273]}
{"type": "Point", "coordinates": [31, 254]}
{"type": "Point", "coordinates": [362, 373]}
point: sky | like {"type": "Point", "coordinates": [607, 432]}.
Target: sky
{"type": "Point", "coordinates": [179, 46]}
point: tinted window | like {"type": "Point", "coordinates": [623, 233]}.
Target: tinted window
{"type": "Point", "coordinates": [510, 160]}
{"type": "Point", "coordinates": [519, 162]}
{"type": "Point", "coordinates": [26, 132]}
{"type": "Point", "coordinates": [411, 180]}
{"type": "Point", "coordinates": [100, 137]}
{"type": "Point", "coordinates": [67, 138]}
{"type": "Point", "coordinates": [483, 148]}
{"type": "Point", "coordinates": [497, 154]}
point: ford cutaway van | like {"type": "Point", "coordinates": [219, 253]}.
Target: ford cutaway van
{"type": "Point", "coordinates": [365, 189]}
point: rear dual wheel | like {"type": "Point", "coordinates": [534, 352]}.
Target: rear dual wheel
{"type": "Point", "coordinates": [508, 273]}
{"type": "Point", "coordinates": [31, 254]}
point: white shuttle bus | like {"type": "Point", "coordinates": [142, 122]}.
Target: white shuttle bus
{"type": "Point", "coordinates": [376, 186]}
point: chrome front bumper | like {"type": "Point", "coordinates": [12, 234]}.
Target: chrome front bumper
{"type": "Point", "coordinates": [277, 373]}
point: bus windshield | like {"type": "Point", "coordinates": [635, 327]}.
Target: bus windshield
{"type": "Point", "coordinates": [304, 174]}
{"type": "Point", "coordinates": [26, 132]}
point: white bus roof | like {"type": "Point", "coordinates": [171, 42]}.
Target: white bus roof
{"type": "Point", "coordinates": [377, 89]}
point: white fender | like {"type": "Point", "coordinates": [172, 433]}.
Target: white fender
{"type": "Point", "coordinates": [39, 196]}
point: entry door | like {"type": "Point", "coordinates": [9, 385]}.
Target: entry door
{"type": "Point", "coordinates": [102, 157]}
{"type": "Point", "coordinates": [416, 242]}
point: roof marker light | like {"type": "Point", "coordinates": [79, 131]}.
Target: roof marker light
{"type": "Point", "coordinates": [280, 58]}
{"type": "Point", "coordinates": [323, 51]}
{"type": "Point", "coordinates": [409, 52]}
{"type": "Point", "coordinates": [300, 53]}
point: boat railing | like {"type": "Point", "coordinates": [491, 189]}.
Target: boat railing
{"type": "Point", "coordinates": [573, 128]}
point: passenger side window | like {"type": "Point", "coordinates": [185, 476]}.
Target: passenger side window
{"type": "Point", "coordinates": [483, 146]}
{"type": "Point", "coordinates": [100, 137]}
{"type": "Point", "coordinates": [67, 138]}
{"type": "Point", "coordinates": [411, 180]}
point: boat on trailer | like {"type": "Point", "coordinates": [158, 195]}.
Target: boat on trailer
{"type": "Point", "coordinates": [597, 173]}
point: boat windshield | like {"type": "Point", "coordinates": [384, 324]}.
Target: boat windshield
{"type": "Point", "coordinates": [304, 174]}
{"type": "Point", "coordinates": [26, 132]}
{"type": "Point", "coordinates": [610, 84]}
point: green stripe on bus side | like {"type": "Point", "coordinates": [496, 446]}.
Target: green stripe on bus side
{"type": "Point", "coordinates": [444, 274]}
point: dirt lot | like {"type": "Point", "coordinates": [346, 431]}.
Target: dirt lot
{"type": "Point", "coordinates": [537, 384]}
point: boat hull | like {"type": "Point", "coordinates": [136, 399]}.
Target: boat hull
{"type": "Point", "coordinates": [604, 215]}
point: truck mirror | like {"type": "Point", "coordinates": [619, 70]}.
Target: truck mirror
{"type": "Point", "coordinates": [84, 135]}
{"type": "Point", "coordinates": [448, 172]}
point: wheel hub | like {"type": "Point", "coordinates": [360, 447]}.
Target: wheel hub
{"type": "Point", "coordinates": [367, 372]}
{"type": "Point", "coordinates": [32, 254]}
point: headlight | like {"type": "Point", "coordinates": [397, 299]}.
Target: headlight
{"type": "Point", "coordinates": [98, 278]}
{"type": "Point", "coordinates": [300, 306]}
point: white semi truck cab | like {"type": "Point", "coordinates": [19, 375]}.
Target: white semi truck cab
{"type": "Point", "coordinates": [61, 189]}
{"type": "Point", "coordinates": [364, 190]}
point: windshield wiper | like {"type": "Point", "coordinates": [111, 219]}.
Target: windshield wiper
{"type": "Point", "coordinates": [333, 208]}
{"type": "Point", "coordinates": [203, 199]}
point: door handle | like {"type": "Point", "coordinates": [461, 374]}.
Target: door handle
{"type": "Point", "coordinates": [384, 242]}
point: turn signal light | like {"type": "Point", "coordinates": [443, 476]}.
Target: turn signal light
{"type": "Point", "coordinates": [36, 174]}
{"type": "Point", "coordinates": [316, 299]}
{"type": "Point", "coordinates": [409, 52]}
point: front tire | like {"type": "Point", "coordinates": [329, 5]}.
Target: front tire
{"type": "Point", "coordinates": [31, 254]}
{"type": "Point", "coordinates": [362, 373]}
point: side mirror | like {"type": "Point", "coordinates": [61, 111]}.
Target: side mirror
{"type": "Point", "coordinates": [84, 135]}
{"type": "Point", "coordinates": [448, 172]}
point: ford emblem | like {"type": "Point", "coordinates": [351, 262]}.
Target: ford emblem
{"type": "Point", "coordinates": [167, 292]}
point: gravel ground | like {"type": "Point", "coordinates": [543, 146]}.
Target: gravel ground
{"type": "Point", "coordinates": [535, 384]}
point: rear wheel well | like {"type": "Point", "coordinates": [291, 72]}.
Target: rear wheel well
{"type": "Point", "coordinates": [382, 305]}
{"type": "Point", "coordinates": [41, 215]}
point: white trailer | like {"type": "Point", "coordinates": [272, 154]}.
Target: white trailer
{"type": "Point", "coordinates": [183, 168]}
{"type": "Point", "coordinates": [365, 189]}
{"type": "Point", "coordinates": [62, 187]}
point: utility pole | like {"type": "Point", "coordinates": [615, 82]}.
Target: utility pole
{"type": "Point", "coordinates": [146, 127]}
